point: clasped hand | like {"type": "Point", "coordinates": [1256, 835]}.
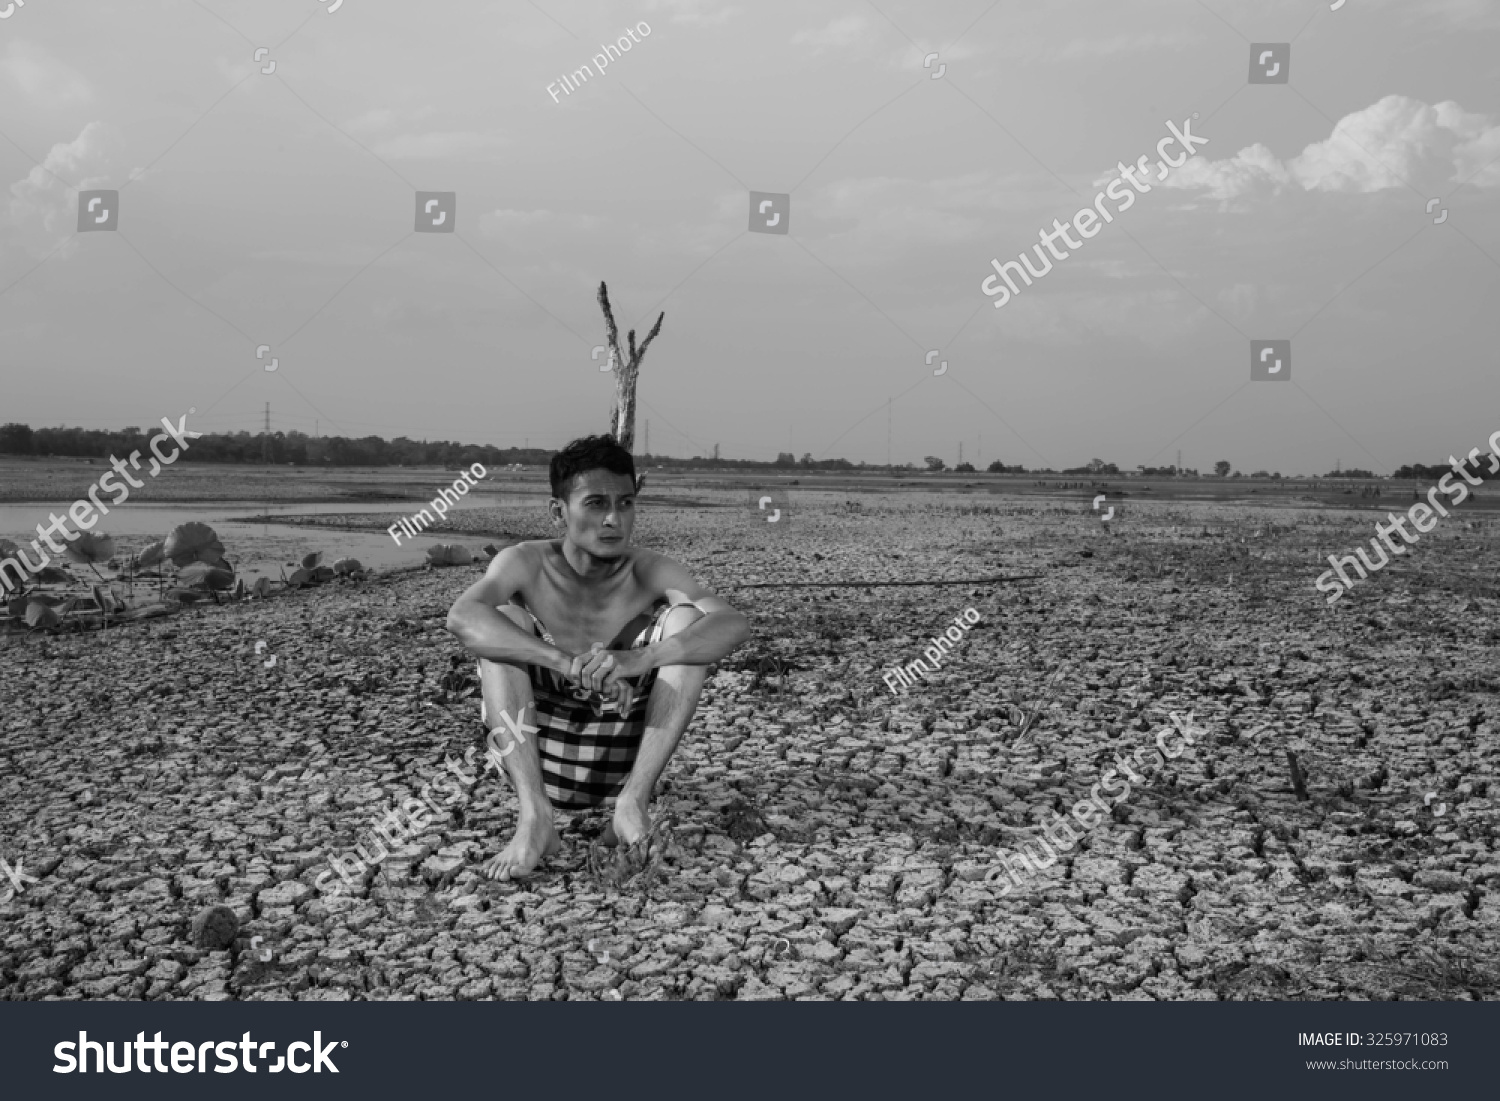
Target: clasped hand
{"type": "Point", "coordinates": [604, 671]}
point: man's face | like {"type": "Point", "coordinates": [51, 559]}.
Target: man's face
{"type": "Point", "coordinates": [600, 513]}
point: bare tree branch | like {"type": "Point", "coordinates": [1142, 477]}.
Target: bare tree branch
{"type": "Point", "coordinates": [651, 335]}
{"type": "Point", "coordinates": [611, 331]}
{"type": "Point", "coordinates": [626, 370]}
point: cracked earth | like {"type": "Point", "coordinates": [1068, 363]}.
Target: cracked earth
{"type": "Point", "coordinates": [821, 838]}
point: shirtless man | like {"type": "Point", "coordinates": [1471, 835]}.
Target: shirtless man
{"type": "Point", "coordinates": [596, 648]}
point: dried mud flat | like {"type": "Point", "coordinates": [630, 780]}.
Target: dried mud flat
{"type": "Point", "coordinates": [825, 840]}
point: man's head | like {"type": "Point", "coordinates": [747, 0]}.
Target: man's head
{"type": "Point", "coordinates": [593, 494]}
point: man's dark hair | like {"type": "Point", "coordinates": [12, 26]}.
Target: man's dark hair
{"type": "Point", "coordinates": [585, 454]}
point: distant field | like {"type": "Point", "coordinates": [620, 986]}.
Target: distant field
{"type": "Point", "coordinates": [64, 478]}
{"type": "Point", "coordinates": [69, 479]}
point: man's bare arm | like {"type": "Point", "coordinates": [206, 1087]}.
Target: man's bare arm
{"type": "Point", "coordinates": [720, 632]}
{"type": "Point", "coordinates": [486, 633]}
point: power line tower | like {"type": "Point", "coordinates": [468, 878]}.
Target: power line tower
{"type": "Point", "coordinates": [265, 439]}
{"type": "Point", "coordinates": [648, 437]}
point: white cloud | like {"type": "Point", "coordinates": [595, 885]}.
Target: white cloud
{"type": "Point", "coordinates": [44, 206]}
{"type": "Point", "coordinates": [1375, 149]}
{"type": "Point", "coordinates": [41, 78]}
{"type": "Point", "coordinates": [839, 33]}
{"type": "Point", "coordinates": [1253, 171]}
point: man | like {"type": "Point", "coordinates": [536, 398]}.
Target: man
{"type": "Point", "coordinates": [598, 648]}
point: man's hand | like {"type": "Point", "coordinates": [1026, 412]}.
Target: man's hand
{"type": "Point", "coordinates": [604, 671]}
{"type": "Point", "coordinates": [600, 669]}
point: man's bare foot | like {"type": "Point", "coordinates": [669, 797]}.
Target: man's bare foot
{"type": "Point", "coordinates": [535, 840]}
{"type": "Point", "coordinates": [631, 822]}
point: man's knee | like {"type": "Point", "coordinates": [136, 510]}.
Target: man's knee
{"type": "Point", "coordinates": [679, 619]}
{"type": "Point", "coordinates": [509, 683]}
{"type": "Point", "coordinates": [516, 614]}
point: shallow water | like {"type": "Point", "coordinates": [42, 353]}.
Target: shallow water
{"type": "Point", "coordinates": [254, 548]}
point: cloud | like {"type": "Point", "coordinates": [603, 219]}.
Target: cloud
{"type": "Point", "coordinates": [695, 13]}
{"type": "Point", "coordinates": [434, 145]}
{"type": "Point", "coordinates": [1467, 14]}
{"type": "Point", "coordinates": [514, 223]}
{"type": "Point", "coordinates": [41, 78]}
{"type": "Point", "coordinates": [442, 144]}
{"type": "Point", "coordinates": [1128, 43]}
{"type": "Point", "coordinates": [1253, 171]}
{"type": "Point", "coordinates": [372, 121]}
{"type": "Point", "coordinates": [839, 33]}
{"type": "Point", "coordinates": [377, 119]}
{"type": "Point", "coordinates": [1241, 299]}
{"type": "Point", "coordinates": [1378, 148]}
{"type": "Point", "coordinates": [44, 205]}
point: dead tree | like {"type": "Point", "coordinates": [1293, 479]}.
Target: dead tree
{"type": "Point", "coordinates": [622, 423]}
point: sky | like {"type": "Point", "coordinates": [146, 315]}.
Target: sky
{"type": "Point", "coordinates": [277, 210]}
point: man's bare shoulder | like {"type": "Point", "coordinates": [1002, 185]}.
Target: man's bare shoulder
{"type": "Point", "coordinates": [660, 573]}
{"type": "Point", "coordinates": [532, 550]}
{"type": "Point", "coordinates": [521, 560]}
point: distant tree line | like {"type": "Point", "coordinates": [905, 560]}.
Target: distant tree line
{"type": "Point", "coordinates": [1477, 468]}
{"type": "Point", "coordinates": [301, 449]}
{"type": "Point", "coordinates": [279, 447]}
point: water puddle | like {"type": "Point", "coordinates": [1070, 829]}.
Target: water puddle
{"type": "Point", "coordinates": [255, 548]}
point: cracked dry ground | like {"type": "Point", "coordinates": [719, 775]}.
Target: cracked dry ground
{"type": "Point", "coordinates": [827, 840]}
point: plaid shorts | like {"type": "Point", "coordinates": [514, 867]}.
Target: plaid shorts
{"type": "Point", "coordinates": [587, 746]}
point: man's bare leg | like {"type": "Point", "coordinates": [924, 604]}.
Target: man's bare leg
{"type": "Point", "coordinates": [507, 689]}
{"type": "Point", "coordinates": [674, 699]}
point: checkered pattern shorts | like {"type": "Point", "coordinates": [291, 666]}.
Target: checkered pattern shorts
{"type": "Point", "coordinates": [587, 747]}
